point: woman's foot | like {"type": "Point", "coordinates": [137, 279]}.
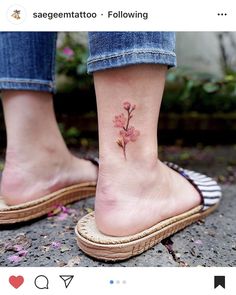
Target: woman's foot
{"type": "Point", "coordinates": [132, 197]}
{"type": "Point", "coordinates": [28, 178]}
{"type": "Point", "coordinates": [37, 159]}
{"type": "Point", "coordinates": [134, 190]}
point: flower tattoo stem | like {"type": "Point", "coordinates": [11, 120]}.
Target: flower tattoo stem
{"type": "Point", "coordinates": [127, 133]}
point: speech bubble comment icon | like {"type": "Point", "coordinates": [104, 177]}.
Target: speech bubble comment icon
{"type": "Point", "coordinates": [41, 282]}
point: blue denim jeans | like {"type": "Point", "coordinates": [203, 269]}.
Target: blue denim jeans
{"type": "Point", "coordinates": [117, 49]}
{"type": "Point", "coordinates": [27, 59]}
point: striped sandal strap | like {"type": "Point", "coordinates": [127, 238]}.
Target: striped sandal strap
{"type": "Point", "coordinates": [207, 187]}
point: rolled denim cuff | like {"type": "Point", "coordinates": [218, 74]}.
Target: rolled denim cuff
{"type": "Point", "coordinates": [27, 61]}
{"type": "Point", "coordinates": [118, 49]}
{"type": "Point", "coordinates": [132, 58]}
{"type": "Point", "coordinates": [27, 84]}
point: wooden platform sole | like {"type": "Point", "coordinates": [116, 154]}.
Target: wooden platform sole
{"type": "Point", "coordinates": [44, 205]}
{"type": "Point", "coordinates": [108, 248]}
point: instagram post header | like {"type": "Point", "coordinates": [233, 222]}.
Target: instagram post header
{"type": "Point", "coordinates": [117, 147]}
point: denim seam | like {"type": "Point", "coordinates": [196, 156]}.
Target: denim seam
{"type": "Point", "coordinates": [53, 68]}
{"type": "Point", "coordinates": [25, 81]}
{"type": "Point", "coordinates": [130, 53]}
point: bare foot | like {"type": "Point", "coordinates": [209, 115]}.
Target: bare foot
{"type": "Point", "coordinates": [26, 178]}
{"type": "Point", "coordinates": [132, 197]}
{"type": "Point", "coordinates": [37, 159]}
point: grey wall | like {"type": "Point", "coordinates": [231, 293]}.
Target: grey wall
{"type": "Point", "coordinates": [206, 51]}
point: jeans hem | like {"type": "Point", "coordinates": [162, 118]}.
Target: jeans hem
{"type": "Point", "coordinates": [26, 84]}
{"type": "Point", "coordinates": [131, 58]}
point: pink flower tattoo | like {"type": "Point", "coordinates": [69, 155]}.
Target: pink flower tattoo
{"type": "Point", "coordinates": [127, 133]}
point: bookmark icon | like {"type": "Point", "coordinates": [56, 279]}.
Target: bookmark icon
{"type": "Point", "coordinates": [219, 281]}
{"type": "Point", "coordinates": [66, 279]}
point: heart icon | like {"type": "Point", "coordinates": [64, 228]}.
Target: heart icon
{"type": "Point", "coordinates": [16, 282]}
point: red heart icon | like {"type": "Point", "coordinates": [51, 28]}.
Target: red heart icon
{"type": "Point", "coordinates": [16, 282]}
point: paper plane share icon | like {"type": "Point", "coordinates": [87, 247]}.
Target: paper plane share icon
{"type": "Point", "coordinates": [66, 279]}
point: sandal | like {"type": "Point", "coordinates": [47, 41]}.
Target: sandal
{"type": "Point", "coordinates": [44, 205]}
{"type": "Point", "coordinates": [109, 248]}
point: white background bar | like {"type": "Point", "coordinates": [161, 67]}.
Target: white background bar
{"type": "Point", "coordinates": [184, 281]}
{"type": "Point", "coordinates": [172, 15]}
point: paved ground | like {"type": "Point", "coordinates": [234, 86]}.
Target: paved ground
{"type": "Point", "coordinates": [51, 241]}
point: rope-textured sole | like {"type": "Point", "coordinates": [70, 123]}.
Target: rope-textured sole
{"type": "Point", "coordinates": [34, 209]}
{"type": "Point", "coordinates": [115, 248]}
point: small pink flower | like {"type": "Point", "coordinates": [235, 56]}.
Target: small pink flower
{"type": "Point", "coordinates": [68, 52]}
{"type": "Point", "coordinates": [126, 105]}
{"type": "Point", "coordinates": [130, 135]}
{"type": "Point", "coordinates": [125, 137]}
{"type": "Point", "coordinates": [127, 133]}
{"type": "Point", "coordinates": [119, 121]}
{"type": "Point", "coordinates": [134, 135]}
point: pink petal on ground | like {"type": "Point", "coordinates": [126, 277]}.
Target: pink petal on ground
{"type": "Point", "coordinates": [62, 216]}
{"type": "Point", "coordinates": [15, 258]}
{"type": "Point", "coordinates": [198, 242]}
{"type": "Point", "coordinates": [62, 211]}
{"type": "Point", "coordinates": [56, 245]}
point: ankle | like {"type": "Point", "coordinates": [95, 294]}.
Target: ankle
{"type": "Point", "coordinates": [35, 153]}
{"type": "Point", "coordinates": [146, 159]}
{"type": "Point", "coordinates": [118, 181]}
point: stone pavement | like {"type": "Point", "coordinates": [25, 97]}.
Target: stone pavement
{"type": "Point", "coordinates": [50, 241]}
